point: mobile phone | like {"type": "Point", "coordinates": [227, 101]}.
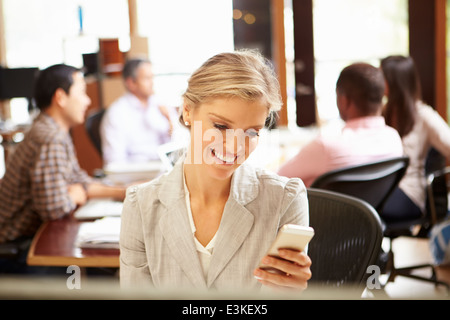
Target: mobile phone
{"type": "Point", "coordinates": [290, 236]}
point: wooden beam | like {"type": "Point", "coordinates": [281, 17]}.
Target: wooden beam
{"type": "Point", "coordinates": [279, 55]}
{"type": "Point", "coordinates": [2, 37]}
{"type": "Point", "coordinates": [427, 46]}
{"type": "Point", "coordinates": [441, 58]}
{"type": "Point", "coordinates": [132, 13]}
{"type": "Point", "coordinates": [5, 110]}
{"type": "Point", "coordinates": [304, 62]}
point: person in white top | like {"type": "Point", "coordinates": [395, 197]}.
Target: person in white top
{"type": "Point", "coordinates": [136, 124]}
{"type": "Point", "coordinates": [420, 128]}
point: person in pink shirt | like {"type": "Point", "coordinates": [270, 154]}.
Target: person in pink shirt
{"type": "Point", "coordinates": [365, 136]}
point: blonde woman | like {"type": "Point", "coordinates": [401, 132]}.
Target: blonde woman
{"type": "Point", "coordinates": [209, 222]}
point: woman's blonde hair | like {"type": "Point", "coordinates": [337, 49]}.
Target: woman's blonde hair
{"type": "Point", "coordinates": [243, 74]}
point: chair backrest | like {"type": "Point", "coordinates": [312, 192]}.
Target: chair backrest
{"type": "Point", "coordinates": [347, 239]}
{"type": "Point", "coordinates": [372, 182]}
{"type": "Point", "coordinates": [92, 125]}
{"type": "Point", "coordinates": [438, 175]}
{"type": "Point", "coordinates": [437, 195]}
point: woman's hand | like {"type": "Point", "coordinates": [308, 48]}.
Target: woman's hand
{"type": "Point", "coordinates": [294, 267]}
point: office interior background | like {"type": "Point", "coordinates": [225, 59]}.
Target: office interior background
{"type": "Point", "coordinates": [309, 42]}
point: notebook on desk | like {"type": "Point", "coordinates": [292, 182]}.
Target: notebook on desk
{"type": "Point", "coordinates": [100, 234]}
{"type": "Point", "coordinates": [98, 208]}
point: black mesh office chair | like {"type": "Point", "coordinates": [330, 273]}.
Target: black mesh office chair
{"type": "Point", "coordinates": [437, 194]}
{"type": "Point", "coordinates": [372, 182]}
{"type": "Point", "coordinates": [12, 249]}
{"type": "Point", "coordinates": [438, 179]}
{"type": "Point", "coordinates": [14, 252]}
{"type": "Point", "coordinates": [348, 235]}
{"type": "Point", "coordinates": [436, 210]}
{"type": "Point", "coordinates": [92, 125]}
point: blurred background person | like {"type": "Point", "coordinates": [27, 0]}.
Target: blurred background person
{"type": "Point", "coordinates": [420, 128]}
{"type": "Point", "coordinates": [43, 180]}
{"type": "Point", "coordinates": [136, 124]}
{"type": "Point", "coordinates": [365, 136]}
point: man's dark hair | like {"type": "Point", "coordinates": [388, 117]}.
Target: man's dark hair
{"type": "Point", "coordinates": [51, 79]}
{"type": "Point", "coordinates": [130, 67]}
{"type": "Point", "coordinates": [363, 84]}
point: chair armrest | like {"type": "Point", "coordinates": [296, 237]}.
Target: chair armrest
{"type": "Point", "coordinates": [430, 180]}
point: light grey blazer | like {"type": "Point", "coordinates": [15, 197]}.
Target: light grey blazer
{"type": "Point", "coordinates": [157, 245]}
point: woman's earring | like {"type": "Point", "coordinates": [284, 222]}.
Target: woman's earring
{"type": "Point", "coordinates": [186, 123]}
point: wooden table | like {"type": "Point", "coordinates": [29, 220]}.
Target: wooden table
{"type": "Point", "coordinates": [54, 245]}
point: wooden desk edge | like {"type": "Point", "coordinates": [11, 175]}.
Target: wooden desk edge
{"type": "Point", "coordinates": [30, 256]}
{"type": "Point", "coordinates": [60, 261]}
{"type": "Point", "coordinates": [95, 262]}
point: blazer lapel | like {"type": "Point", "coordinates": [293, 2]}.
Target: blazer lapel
{"type": "Point", "coordinates": [174, 226]}
{"type": "Point", "coordinates": [236, 221]}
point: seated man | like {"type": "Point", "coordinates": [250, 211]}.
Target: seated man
{"type": "Point", "coordinates": [365, 136]}
{"type": "Point", "coordinates": [135, 124]}
{"type": "Point", "coordinates": [43, 180]}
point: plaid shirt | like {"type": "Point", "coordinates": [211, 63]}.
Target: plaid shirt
{"type": "Point", "coordinates": [35, 185]}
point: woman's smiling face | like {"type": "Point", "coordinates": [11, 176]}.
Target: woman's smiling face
{"type": "Point", "coordinates": [224, 132]}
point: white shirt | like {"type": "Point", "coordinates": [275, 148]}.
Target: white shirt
{"type": "Point", "coordinates": [204, 253]}
{"type": "Point", "coordinates": [131, 132]}
{"type": "Point", "coordinates": [430, 130]}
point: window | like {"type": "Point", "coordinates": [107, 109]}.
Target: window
{"type": "Point", "coordinates": [50, 32]}
{"type": "Point", "coordinates": [347, 31]}
{"type": "Point", "coordinates": [53, 31]}
{"type": "Point", "coordinates": [182, 35]}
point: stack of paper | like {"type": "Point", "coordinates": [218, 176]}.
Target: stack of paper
{"type": "Point", "coordinates": [99, 208]}
{"type": "Point", "coordinates": [102, 233]}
